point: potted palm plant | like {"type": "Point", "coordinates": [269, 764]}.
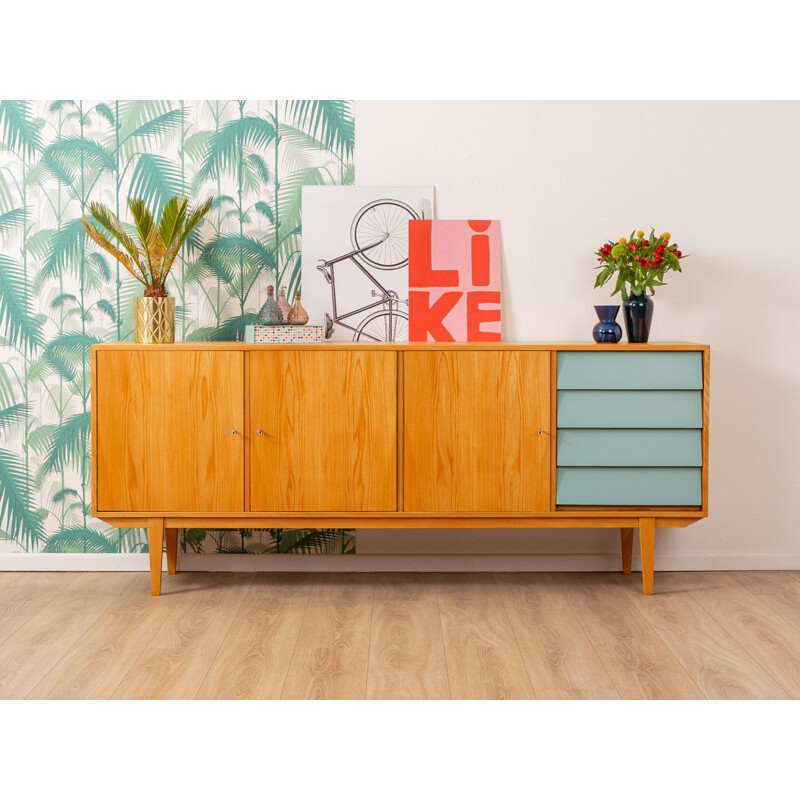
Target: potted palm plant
{"type": "Point", "coordinates": [148, 257]}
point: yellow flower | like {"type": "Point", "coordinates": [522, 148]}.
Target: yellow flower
{"type": "Point", "coordinates": [640, 234]}
{"type": "Point", "coordinates": [623, 240]}
{"type": "Point", "coordinates": [665, 236]}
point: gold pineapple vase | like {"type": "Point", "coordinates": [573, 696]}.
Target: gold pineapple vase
{"type": "Point", "coordinates": [154, 320]}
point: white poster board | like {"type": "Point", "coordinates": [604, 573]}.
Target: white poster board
{"type": "Point", "coordinates": [355, 259]}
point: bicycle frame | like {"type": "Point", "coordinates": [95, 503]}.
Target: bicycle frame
{"type": "Point", "coordinates": [383, 301]}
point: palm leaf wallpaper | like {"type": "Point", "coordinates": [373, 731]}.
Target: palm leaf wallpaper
{"type": "Point", "coordinates": [60, 293]}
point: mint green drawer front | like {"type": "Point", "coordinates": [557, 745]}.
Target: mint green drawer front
{"type": "Point", "coordinates": [628, 486]}
{"type": "Point", "coordinates": [604, 370]}
{"type": "Point", "coordinates": [630, 409]}
{"type": "Point", "coordinates": [629, 448]}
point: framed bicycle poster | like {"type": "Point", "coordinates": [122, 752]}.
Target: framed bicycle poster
{"type": "Point", "coordinates": [355, 259]}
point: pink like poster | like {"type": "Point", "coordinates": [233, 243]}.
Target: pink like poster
{"type": "Point", "coordinates": [454, 280]}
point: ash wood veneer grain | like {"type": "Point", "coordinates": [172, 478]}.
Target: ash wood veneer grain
{"type": "Point", "coordinates": [329, 423]}
{"type": "Point", "coordinates": [254, 657]}
{"type": "Point", "coordinates": [716, 662]}
{"type": "Point", "coordinates": [641, 666]}
{"type": "Point", "coordinates": [164, 422]}
{"type": "Point", "coordinates": [330, 659]}
{"type": "Point", "coordinates": [626, 539]}
{"type": "Point", "coordinates": [770, 641]}
{"type": "Point", "coordinates": [171, 535]}
{"type": "Point", "coordinates": [561, 661]}
{"type": "Point", "coordinates": [406, 653]}
{"type": "Point", "coordinates": [32, 651]}
{"type": "Point", "coordinates": [483, 656]}
{"type": "Point", "coordinates": [176, 660]}
{"type": "Point", "coordinates": [471, 440]}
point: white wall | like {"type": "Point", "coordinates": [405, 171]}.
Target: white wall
{"type": "Point", "coordinates": [724, 179]}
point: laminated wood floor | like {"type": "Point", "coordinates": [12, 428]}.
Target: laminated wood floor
{"type": "Point", "coordinates": [718, 635]}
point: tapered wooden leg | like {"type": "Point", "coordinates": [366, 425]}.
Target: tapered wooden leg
{"type": "Point", "coordinates": [647, 542]}
{"type": "Point", "coordinates": [627, 549]}
{"type": "Point", "coordinates": [172, 550]}
{"type": "Point", "coordinates": [155, 541]}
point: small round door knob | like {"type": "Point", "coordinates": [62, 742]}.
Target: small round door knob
{"type": "Point", "coordinates": [233, 431]}
{"type": "Point", "coordinates": [260, 431]}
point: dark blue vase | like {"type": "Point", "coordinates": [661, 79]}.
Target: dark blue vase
{"type": "Point", "coordinates": [638, 316]}
{"type": "Point", "coordinates": [608, 329]}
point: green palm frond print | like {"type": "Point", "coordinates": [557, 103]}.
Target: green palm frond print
{"type": "Point", "coordinates": [59, 293]}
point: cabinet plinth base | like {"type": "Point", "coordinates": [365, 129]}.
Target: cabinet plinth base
{"type": "Point", "coordinates": [161, 528]}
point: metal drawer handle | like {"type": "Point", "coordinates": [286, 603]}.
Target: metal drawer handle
{"type": "Point", "coordinates": [233, 431]}
{"type": "Point", "coordinates": [540, 431]}
{"type": "Point", "coordinates": [260, 432]}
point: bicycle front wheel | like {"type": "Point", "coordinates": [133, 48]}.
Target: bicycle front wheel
{"type": "Point", "coordinates": [382, 226]}
{"type": "Point", "coordinates": [383, 327]}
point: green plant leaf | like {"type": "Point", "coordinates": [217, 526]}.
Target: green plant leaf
{"type": "Point", "coordinates": [65, 155]}
{"type": "Point", "coordinates": [266, 210]}
{"type": "Point", "coordinates": [71, 344]}
{"type": "Point", "coordinates": [62, 495]}
{"type": "Point", "coordinates": [59, 300]}
{"type": "Point", "coordinates": [23, 524]}
{"type": "Point", "coordinates": [78, 540]}
{"type": "Point", "coordinates": [329, 121]}
{"type": "Point", "coordinates": [67, 245]}
{"type": "Point", "coordinates": [104, 111]}
{"type": "Point", "coordinates": [11, 415]}
{"type": "Point", "coordinates": [107, 309]}
{"type": "Point", "coordinates": [228, 144]}
{"type": "Point", "coordinates": [17, 322]}
{"type": "Point", "coordinates": [260, 167]}
{"type": "Point", "coordinates": [161, 125]}
{"type": "Point", "coordinates": [233, 328]}
{"type": "Point", "coordinates": [69, 444]}
{"type": "Point", "coordinates": [12, 220]}
{"type": "Point", "coordinates": [19, 131]}
{"type": "Point", "coordinates": [156, 180]}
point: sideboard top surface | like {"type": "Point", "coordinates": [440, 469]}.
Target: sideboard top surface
{"type": "Point", "coordinates": [404, 346]}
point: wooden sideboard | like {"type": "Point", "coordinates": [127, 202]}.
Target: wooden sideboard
{"type": "Point", "coordinates": [400, 435]}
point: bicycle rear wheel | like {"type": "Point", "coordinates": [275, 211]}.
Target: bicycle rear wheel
{"type": "Point", "coordinates": [384, 221]}
{"type": "Point", "coordinates": [383, 327]}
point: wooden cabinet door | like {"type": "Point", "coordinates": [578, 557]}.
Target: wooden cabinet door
{"type": "Point", "coordinates": [164, 422]}
{"type": "Point", "coordinates": [471, 431]}
{"type": "Point", "coordinates": [329, 431]}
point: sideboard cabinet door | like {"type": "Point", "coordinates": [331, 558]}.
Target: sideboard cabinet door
{"type": "Point", "coordinates": [323, 430]}
{"type": "Point", "coordinates": [472, 422]}
{"type": "Point", "coordinates": [165, 422]}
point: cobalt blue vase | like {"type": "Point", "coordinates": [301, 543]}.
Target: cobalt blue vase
{"type": "Point", "coordinates": [638, 317]}
{"type": "Point", "coordinates": [607, 330]}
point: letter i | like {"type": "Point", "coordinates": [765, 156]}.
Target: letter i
{"type": "Point", "coordinates": [480, 253]}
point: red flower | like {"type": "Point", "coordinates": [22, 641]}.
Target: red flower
{"type": "Point", "coordinates": [659, 250]}
{"type": "Point", "coordinates": [657, 260]}
{"type": "Point", "coordinates": [678, 253]}
{"type": "Point", "coordinates": [632, 247]}
{"type": "Point", "coordinates": [646, 263]}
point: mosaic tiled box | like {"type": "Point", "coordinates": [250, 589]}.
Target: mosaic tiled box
{"type": "Point", "coordinates": [270, 334]}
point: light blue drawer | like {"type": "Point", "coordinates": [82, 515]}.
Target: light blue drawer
{"type": "Point", "coordinates": [592, 447]}
{"type": "Point", "coordinates": [628, 486]}
{"type": "Point", "coordinates": [605, 370]}
{"type": "Point", "coordinates": [630, 409]}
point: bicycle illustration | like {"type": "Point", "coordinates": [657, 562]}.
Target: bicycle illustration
{"type": "Point", "coordinates": [379, 235]}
